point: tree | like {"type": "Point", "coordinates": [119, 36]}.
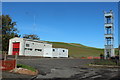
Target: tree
{"type": "Point", "coordinates": [8, 31]}
{"type": "Point", "coordinates": [31, 36]}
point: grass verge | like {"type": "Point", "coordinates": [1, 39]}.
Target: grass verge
{"type": "Point", "coordinates": [106, 62]}
{"type": "Point", "coordinates": [26, 67]}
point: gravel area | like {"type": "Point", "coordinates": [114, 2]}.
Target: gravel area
{"type": "Point", "coordinates": [64, 69]}
{"type": "Point", "coordinates": [13, 76]}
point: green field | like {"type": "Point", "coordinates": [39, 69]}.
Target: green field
{"type": "Point", "coordinates": [78, 50]}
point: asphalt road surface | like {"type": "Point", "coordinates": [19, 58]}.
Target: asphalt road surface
{"type": "Point", "coordinates": [63, 69]}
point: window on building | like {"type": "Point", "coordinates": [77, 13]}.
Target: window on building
{"type": "Point", "coordinates": [38, 49]}
{"type": "Point", "coordinates": [27, 45]}
{"type": "Point", "coordinates": [28, 49]}
{"type": "Point", "coordinates": [53, 49]}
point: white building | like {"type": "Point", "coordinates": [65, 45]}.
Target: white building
{"type": "Point", "coordinates": [27, 47]}
{"type": "Point", "coordinates": [59, 52]}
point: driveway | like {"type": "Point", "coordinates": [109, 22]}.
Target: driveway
{"type": "Point", "coordinates": [67, 69]}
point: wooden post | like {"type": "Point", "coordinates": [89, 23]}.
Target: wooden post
{"type": "Point", "coordinates": [5, 56]}
{"type": "Point", "coordinates": [16, 60]}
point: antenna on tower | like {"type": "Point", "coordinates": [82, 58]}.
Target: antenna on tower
{"type": "Point", "coordinates": [34, 21]}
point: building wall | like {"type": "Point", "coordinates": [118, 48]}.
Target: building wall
{"type": "Point", "coordinates": [36, 48]}
{"type": "Point", "coordinates": [47, 52]}
{"type": "Point", "coordinates": [11, 45]}
{"type": "Point", "coordinates": [60, 52]}
{"type": "Point", "coordinates": [63, 52]}
{"type": "Point", "coordinates": [33, 49]}
{"type": "Point", "coordinates": [55, 52]}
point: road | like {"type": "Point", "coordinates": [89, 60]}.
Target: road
{"type": "Point", "coordinates": [66, 69]}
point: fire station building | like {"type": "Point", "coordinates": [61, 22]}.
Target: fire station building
{"type": "Point", "coordinates": [28, 47]}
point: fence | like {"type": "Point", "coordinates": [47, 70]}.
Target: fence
{"type": "Point", "coordinates": [90, 57]}
{"type": "Point", "coordinates": [7, 64]}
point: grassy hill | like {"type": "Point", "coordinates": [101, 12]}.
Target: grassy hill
{"type": "Point", "coordinates": [78, 50]}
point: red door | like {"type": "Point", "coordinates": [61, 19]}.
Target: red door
{"type": "Point", "coordinates": [16, 47]}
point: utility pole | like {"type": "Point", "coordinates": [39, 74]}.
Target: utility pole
{"type": "Point", "coordinates": [109, 34]}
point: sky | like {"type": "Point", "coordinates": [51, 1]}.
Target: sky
{"type": "Point", "coordinates": [72, 22]}
{"type": "Point", "coordinates": [119, 25]}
